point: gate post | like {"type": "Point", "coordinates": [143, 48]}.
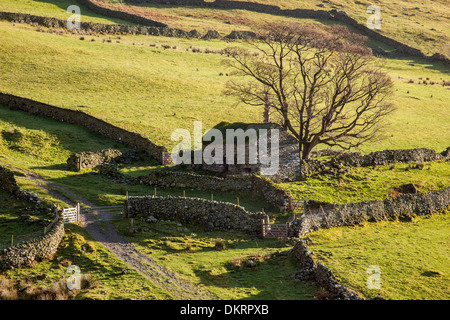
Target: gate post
{"type": "Point", "coordinates": [263, 229]}
{"type": "Point", "coordinates": [78, 212]}
{"type": "Point", "coordinates": [291, 207]}
{"type": "Point", "coordinates": [125, 209]}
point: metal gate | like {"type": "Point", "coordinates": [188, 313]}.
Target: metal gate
{"type": "Point", "coordinates": [105, 213]}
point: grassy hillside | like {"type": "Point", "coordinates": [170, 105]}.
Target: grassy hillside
{"type": "Point", "coordinates": [421, 24]}
{"type": "Point", "coordinates": [201, 18]}
{"type": "Point", "coordinates": [43, 145]}
{"type": "Point", "coordinates": [134, 83]}
{"type": "Point", "coordinates": [54, 8]}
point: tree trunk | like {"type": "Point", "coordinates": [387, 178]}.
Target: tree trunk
{"type": "Point", "coordinates": [266, 108]}
{"type": "Point", "coordinates": [306, 152]}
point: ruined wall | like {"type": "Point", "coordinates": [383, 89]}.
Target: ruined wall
{"type": "Point", "coordinates": [80, 160]}
{"type": "Point", "coordinates": [212, 215]}
{"type": "Point", "coordinates": [7, 182]}
{"type": "Point", "coordinates": [93, 124]}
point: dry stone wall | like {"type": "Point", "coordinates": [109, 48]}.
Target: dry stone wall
{"type": "Point", "coordinates": [405, 206]}
{"type": "Point", "coordinates": [212, 215]}
{"type": "Point", "coordinates": [37, 249]}
{"type": "Point", "coordinates": [80, 160]}
{"type": "Point", "coordinates": [121, 15]}
{"type": "Point", "coordinates": [119, 29]}
{"type": "Point", "coordinates": [9, 184]}
{"type": "Point", "coordinates": [93, 124]}
{"type": "Point", "coordinates": [319, 273]}
{"type": "Point", "coordinates": [90, 27]}
{"type": "Point", "coordinates": [250, 185]}
{"type": "Point", "coordinates": [385, 157]}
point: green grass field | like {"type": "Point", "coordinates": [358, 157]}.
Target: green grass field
{"type": "Point", "coordinates": [13, 229]}
{"type": "Point", "coordinates": [56, 9]}
{"type": "Point", "coordinates": [420, 24]}
{"type": "Point", "coordinates": [104, 268]}
{"type": "Point", "coordinates": [413, 257]}
{"type": "Point", "coordinates": [133, 82]}
{"type": "Point", "coordinates": [154, 91]}
{"type": "Point", "coordinates": [191, 253]}
{"type": "Point", "coordinates": [367, 183]}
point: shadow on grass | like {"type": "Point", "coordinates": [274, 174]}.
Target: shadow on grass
{"type": "Point", "coordinates": [84, 10]}
{"type": "Point", "coordinates": [260, 277]}
{"type": "Point", "coordinates": [427, 64]}
{"type": "Point", "coordinates": [70, 137]}
{"type": "Point", "coordinates": [73, 249]}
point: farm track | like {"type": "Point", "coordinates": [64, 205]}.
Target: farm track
{"type": "Point", "coordinates": [104, 233]}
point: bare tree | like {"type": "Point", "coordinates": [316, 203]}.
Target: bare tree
{"type": "Point", "coordinates": [323, 84]}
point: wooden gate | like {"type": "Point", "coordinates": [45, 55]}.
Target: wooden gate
{"type": "Point", "coordinates": [297, 205]}
{"type": "Point", "coordinates": [166, 158]}
{"type": "Point", "coordinates": [279, 231]}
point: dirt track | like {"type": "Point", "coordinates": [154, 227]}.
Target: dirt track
{"type": "Point", "coordinates": [124, 250]}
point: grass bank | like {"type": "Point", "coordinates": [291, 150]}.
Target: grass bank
{"type": "Point", "coordinates": [413, 257]}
